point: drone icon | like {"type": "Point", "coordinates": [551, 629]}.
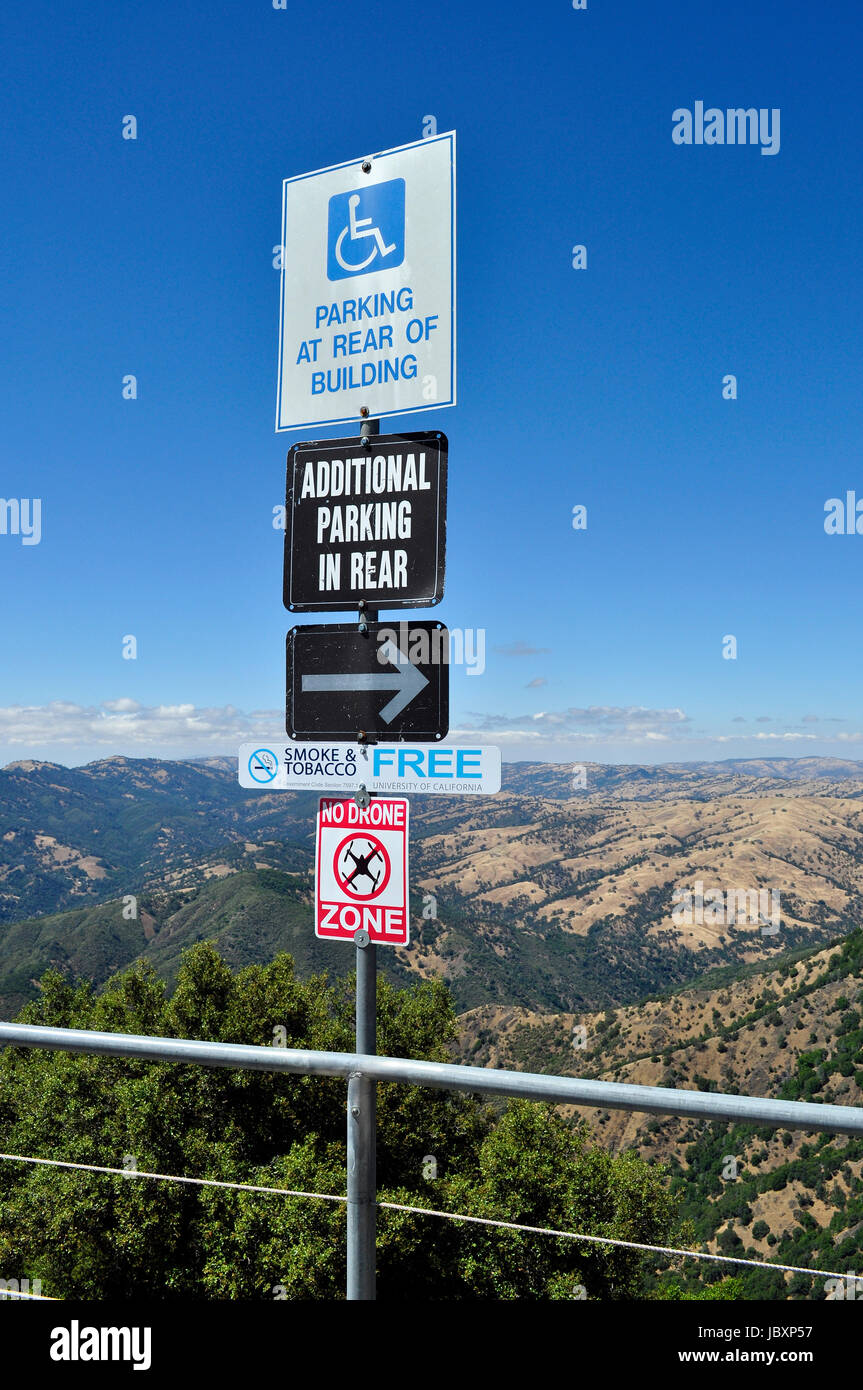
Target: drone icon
{"type": "Point", "coordinates": [361, 865]}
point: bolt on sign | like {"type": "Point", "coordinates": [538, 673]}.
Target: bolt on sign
{"type": "Point", "coordinates": [361, 870]}
{"type": "Point", "coordinates": [367, 320]}
{"type": "Point", "coordinates": [366, 524]}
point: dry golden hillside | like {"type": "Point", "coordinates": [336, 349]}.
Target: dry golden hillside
{"type": "Point", "coordinates": [778, 867]}
{"type": "Point", "coordinates": [796, 1031]}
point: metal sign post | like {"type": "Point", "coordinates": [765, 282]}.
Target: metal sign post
{"type": "Point", "coordinates": [367, 328]}
{"type": "Point", "coordinates": [363, 1104]}
{"type": "Point", "coordinates": [362, 1133]}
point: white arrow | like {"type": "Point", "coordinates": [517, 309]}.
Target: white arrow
{"type": "Point", "coordinates": [407, 681]}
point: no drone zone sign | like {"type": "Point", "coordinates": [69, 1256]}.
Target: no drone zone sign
{"type": "Point", "coordinates": [361, 870]}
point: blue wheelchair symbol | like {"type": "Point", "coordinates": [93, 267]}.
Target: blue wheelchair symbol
{"type": "Point", "coordinates": [366, 230]}
{"type": "Point", "coordinates": [263, 765]}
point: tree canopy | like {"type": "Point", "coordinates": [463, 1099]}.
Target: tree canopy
{"type": "Point", "coordinates": [89, 1235]}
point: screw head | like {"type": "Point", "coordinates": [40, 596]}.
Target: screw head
{"type": "Point", "coordinates": [367, 166]}
{"type": "Point", "coordinates": [361, 938]}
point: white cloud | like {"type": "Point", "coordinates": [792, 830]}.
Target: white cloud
{"type": "Point", "coordinates": [522, 649]}
{"type": "Point", "coordinates": [580, 724]}
{"type": "Point", "coordinates": [70, 733]}
{"type": "Point", "coordinates": [602, 726]}
{"type": "Point", "coordinates": [126, 724]}
{"type": "Point", "coordinates": [763, 737]}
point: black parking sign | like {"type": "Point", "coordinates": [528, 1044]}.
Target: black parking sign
{"type": "Point", "coordinates": [366, 524]}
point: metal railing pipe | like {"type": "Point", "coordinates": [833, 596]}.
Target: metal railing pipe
{"type": "Point", "coordinates": [560, 1090]}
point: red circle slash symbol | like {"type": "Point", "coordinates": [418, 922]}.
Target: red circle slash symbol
{"type": "Point", "coordinates": [361, 865]}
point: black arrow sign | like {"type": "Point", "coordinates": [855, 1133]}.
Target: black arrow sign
{"type": "Point", "coordinates": [392, 680]}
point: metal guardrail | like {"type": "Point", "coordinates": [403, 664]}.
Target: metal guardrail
{"type": "Point", "coordinates": [561, 1090]}
{"type": "Point", "coordinates": [363, 1070]}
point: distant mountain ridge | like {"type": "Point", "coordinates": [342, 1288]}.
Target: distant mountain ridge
{"type": "Point", "coordinates": [549, 896]}
{"type": "Point", "coordinates": [547, 909]}
{"type": "Point", "coordinates": [73, 835]}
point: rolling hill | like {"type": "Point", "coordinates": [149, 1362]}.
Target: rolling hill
{"type": "Point", "coordinates": [549, 910]}
{"type": "Point", "coordinates": [545, 896]}
{"type": "Point", "coordinates": [793, 1030]}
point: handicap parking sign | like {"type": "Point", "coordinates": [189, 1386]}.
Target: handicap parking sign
{"type": "Point", "coordinates": [366, 230]}
{"type": "Point", "coordinates": [367, 312]}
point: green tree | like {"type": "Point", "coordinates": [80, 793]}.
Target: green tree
{"type": "Point", "coordinates": [89, 1235]}
{"type": "Point", "coordinates": [730, 1287]}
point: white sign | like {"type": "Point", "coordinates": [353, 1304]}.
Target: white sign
{"type": "Point", "coordinates": [440, 769]}
{"type": "Point", "coordinates": [368, 287]}
{"type": "Point", "coordinates": [361, 870]}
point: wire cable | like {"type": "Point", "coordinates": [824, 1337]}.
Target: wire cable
{"type": "Point", "coordinates": [170, 1177]}
{"type": "Point", "coordinates": [614, 1240]}
{"type": "Point", "coordinates": [447, 1215]}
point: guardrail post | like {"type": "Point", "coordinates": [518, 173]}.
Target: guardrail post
{"type": "Point", "coordinates": [362, 1133]}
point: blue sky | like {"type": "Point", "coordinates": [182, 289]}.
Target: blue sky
{"type": "Point", "coordinates": [600, 387]}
